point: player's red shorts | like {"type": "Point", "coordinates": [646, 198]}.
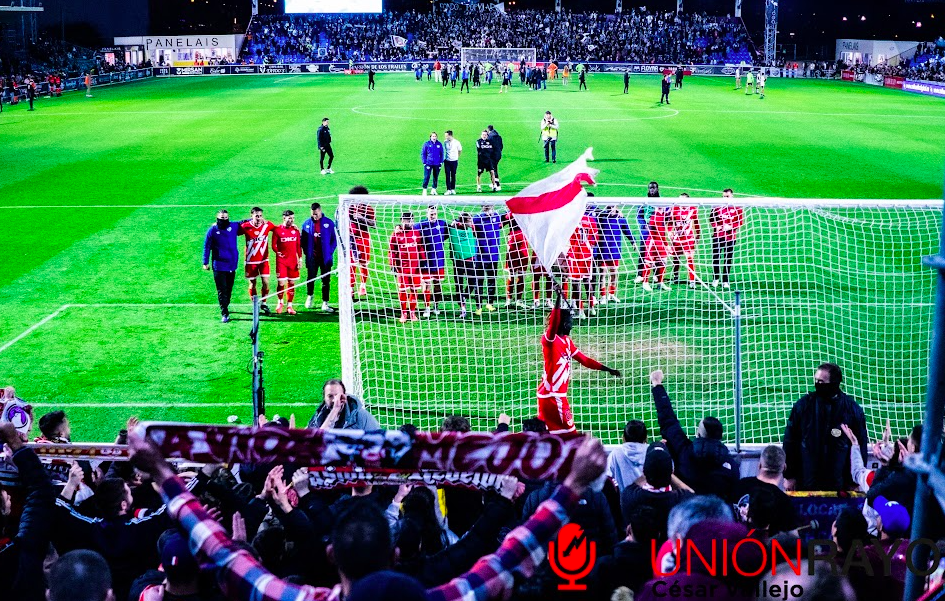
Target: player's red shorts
{"type": "Point", "coordinates": [655, 251]}
{"type": "Point", "coordinates": [409, 279]}
{"type": "Point", "coordinates": [433, 274]}
{"type": "Point", "coordinates": [257, 270]}
{"type": "Point", "coordinates": [361, 250]}
{"type": "Point", "coordinates": [556, 413]}
{"type": "Point", "coordinates": [684, 246]}
{"type": "Point", "coordinates": [285, 271]}
{"type": "Point", "coordinates": [615, 263]}
{"type": "Point", "coordinates": [580, 269]}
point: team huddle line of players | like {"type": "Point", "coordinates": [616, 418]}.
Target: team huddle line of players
{"type": "Point", "coordinates": [588, 269]}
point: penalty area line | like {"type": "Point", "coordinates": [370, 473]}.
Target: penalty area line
{"type": "Point", "coordinates": [34, 327]}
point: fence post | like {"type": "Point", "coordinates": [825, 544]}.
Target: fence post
{"type": "Point", "coordinates": [737, 318]}
{"type": "Point", "coordinates": [929, 465]}
{"type": "Point", "coordinates": [259, 393]}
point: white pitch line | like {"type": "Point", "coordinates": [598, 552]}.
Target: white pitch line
{"type": "Point", "coordinates": [33, 327]}
{"type": "Point", "coordinates": [290, 78]}
{"type": "Point", "coordinates": [156, 206]}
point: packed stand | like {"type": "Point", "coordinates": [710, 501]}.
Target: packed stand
{"type": "Point", "coordinates": [143, 531]}
{"type": "Point", "coordinates": [635, 36]}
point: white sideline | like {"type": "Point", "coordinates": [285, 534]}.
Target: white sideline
{"type": "Point", "coordinates": [161, 206]}
{"type": "Point", "coordinates": [53, 315]}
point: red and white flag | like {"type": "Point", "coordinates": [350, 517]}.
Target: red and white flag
{"type": "Point", "coordinates": [398, 41]}
{"type": "Point", "coordinates": [549, 210]}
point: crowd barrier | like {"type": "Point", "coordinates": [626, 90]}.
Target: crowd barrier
{"type": "Point", "coordinates": [408, 67]}
{"type": "Point", "coordinates": [72, 84]}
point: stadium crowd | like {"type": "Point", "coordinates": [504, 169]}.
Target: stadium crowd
{"type": "Point", "coordinates": [635, 36]}
{"type": "Point", "coordinates": [143, 532]}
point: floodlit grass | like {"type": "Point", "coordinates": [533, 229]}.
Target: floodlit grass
{"type": "Point", "coordinates": [107, 201]}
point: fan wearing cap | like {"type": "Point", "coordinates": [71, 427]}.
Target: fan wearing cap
{"type": "Point", "coordinates": [655, 489]}
{"type": "Point", "coordinates": [893, 526]}
{"type": "Point", "coordinates": [178, 578]}
{"type": "Point", "coordinates": [705, 463]}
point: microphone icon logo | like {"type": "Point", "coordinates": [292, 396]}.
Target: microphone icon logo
{"type": "Point", "coordinates": [572, 557]}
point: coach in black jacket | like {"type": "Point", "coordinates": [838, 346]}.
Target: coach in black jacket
{"type": "Point", "coordinates": [21, 560]}
{"type": "Point", "coordinates": [818, 454]}
{"type": "Point", "coordinates": [704, 464]}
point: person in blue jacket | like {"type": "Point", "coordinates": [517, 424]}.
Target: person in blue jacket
{"type": "Point", "coordinates": [612, 227]}
{"type": "Point", "coordinates": [488, 228]}
{"type": "Point", "coordinates": [221, 244]}
{"type": "Point", "coordinates": [431, 154]}
{"type": "Point", "coordinates": [319, 240]}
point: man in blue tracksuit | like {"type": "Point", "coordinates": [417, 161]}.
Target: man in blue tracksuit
{"type": "Point", "coordinates": [488, 228]}
{"type": "Point", "coordinates": [319, 240]}
{"type": "Point", "coordinates": [432, 155]}
{"type": "Point", "coordinates": [221, 245]}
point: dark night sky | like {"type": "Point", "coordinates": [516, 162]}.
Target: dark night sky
{"type": "Point", "coordinates": [812, 21]}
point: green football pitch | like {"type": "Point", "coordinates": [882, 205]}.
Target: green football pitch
{"type": "Point", "coordinates": [105, 311]}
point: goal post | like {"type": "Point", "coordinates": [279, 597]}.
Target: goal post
{"type": "Point", "coordinates": [501, 55]}
{"type": "Point", "coordinates": [819, 280]}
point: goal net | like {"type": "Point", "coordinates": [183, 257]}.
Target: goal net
{"type": "Point", "coordinates": [501, 55]}
{"type": "Point", "coordinates": [818, 280]}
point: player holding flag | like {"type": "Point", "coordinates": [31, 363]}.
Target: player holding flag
{"type": "Point", "coordinates": [286, 241]}
{"type": "Point", "coordinates": [257, 231]}
{"type": "Point", "coordinates": [548, 212]}
{"type": "Point", "coordinates": [558, 350]}
{"type": "Point", "coordinates": [406, 255]}
{"type": "Point", "coordinates": [685, 234]}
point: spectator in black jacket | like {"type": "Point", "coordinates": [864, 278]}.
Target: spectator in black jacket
{"type": "Point", "coordinates": [630, 564]}
{"type": "Point", "coordinates": [761, 499]}
{"type": "Point", "coordinates": [21, 559]}
{"type": "Point", "coordinates": [704, 464]}
{"type": "Point", "coordinates": [655, 490]}
{"type": "Point", "coordinates": [129, 544]}
{"type": "Point", "coordinates": [818, 454]}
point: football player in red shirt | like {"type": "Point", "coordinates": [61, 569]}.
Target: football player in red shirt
{"type": "Point", "coordinates": [406, 253]}
{"type": "Point", "coordinates": [658, 247]}
{"type": "Point", "coordinates": [557, 350]}
{"type": "Point", "coordinates": [685, 228]}
{"type": "Point", "coordinates": [362, 221]}
{"type": "Point", "coordinates": [257, 231]}
{"type": "Point", "coordinates": [580, 258]}
{"type": "Point", "coordinates": [286, 241]}
{"type": "Point", "coordinates": [725, 222]}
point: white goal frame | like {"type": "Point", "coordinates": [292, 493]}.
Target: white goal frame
{"type": "Point", "coordinates": [506, 55]}
{"type": "Point", "coordinates": [350, 353]}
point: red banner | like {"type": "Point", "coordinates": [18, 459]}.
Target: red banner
{"type": "Point", "coordinates": [848, 76]}
{"type": "Point", "coordinates": [893, 82]}
{"type": "Point", "coordinates": [522, 454]}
